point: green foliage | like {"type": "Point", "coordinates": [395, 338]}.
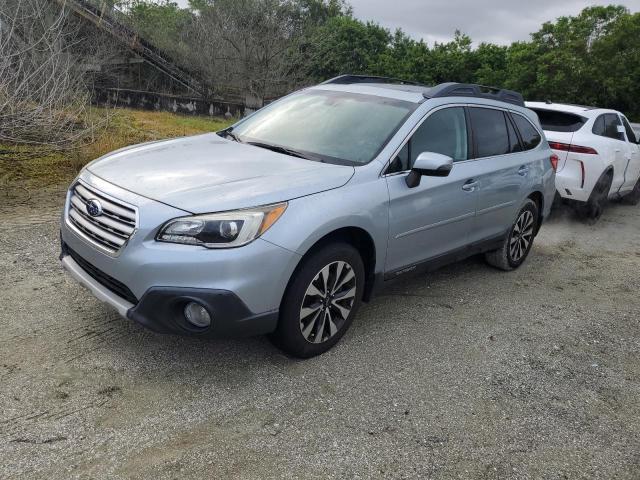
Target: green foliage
{"type": "Point", "coordinates": [163, 23]}
{"type": "Point", "coordinates": [592, 58]}
{"type": "Point", "coordinates": [344, 44]}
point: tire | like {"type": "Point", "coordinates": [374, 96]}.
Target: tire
{"type": "Point", "coordinates": [592, 210]}
{"type": "Point", "coordinates": [313, 318]}
{"type": "Point", "coordinates": [633, 197]}
{"type": "Point", "coordinates": [517, 244]}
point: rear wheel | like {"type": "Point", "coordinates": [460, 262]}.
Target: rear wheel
{"type": "Point", "coordinates": [321, 301]}
{"type": "Point", "coordinates": [517, 245]}
{"type": "Point", "coordinates": [592, 210]}
{"type": "Point", "coordinates": [633, 198]}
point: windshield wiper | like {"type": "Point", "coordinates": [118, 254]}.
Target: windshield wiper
{"type": "Point", "coordinates": [229, 133]}
{"type": "Point", "coordinates": [285, 150]}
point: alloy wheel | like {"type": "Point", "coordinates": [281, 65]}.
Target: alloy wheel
{"type": "Point", "coordinates": [327, 302]}
{"type": "Point", "coordinates": [521, 236]}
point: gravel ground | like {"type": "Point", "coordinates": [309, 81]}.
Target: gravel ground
{"type": "Point", "coordinates": [466, 373]}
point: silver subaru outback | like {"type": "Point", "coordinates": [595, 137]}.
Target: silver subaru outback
{"type": "Point", "coordinates": [284, 223]}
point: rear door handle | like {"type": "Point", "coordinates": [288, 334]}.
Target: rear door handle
{"type": "Point", "coordinates": [523, 171]}
{"type": "Point", "coordinates": [470, 186]}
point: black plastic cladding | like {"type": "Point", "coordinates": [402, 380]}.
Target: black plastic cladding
{"type": "Point", "coordinates": [473, 90]}
{"type": "Point", "coordinates": [439, 91]}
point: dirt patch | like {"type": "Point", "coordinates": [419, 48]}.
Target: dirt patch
{"type": "Point", "coordinates": [466, 373]}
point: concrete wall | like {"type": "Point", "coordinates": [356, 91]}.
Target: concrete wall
{"type": "Point", "coordinates": [168, 103]}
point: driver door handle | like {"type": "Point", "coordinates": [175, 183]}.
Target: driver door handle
{"type": "Point", "coordinates": [470, 186]}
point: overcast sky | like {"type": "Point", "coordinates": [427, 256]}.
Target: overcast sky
{"type": "Point", "coordinates": [497, 21]}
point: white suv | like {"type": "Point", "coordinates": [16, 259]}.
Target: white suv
{"type": "Point", "coordinates": [599, 155]}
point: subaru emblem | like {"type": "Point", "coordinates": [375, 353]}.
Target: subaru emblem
{"type": "Point", "coordinates": [94, 208]}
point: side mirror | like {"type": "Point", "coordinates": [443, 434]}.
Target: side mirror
{"type": "Point", "coordinates": [430, 164]}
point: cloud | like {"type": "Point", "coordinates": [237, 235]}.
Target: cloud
{"type": "Point", "coordinates": [497, 21]}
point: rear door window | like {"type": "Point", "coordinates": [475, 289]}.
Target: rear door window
{"type": "Point", "coordinates": [553, 121]}
{"type": "Point", "coordinates": [490, 132]}
{"type": "Point", "coordinates": [530, 136]}
{"type": "Point", "coordinates": [514, 141]}
{"type": "Point", "coordinates": [631, 135]}
{"type": "Point", "coordinates": [611, 124]}
{"type": "Point", "coordinates": [606, 125]}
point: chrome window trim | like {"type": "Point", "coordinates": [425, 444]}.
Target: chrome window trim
{"type": "Point", "coordinates": [451, 105]}
{"type": "Point", "coordinates": [541, 133]}
{"type": "Point", "coordinates": [410, 134]}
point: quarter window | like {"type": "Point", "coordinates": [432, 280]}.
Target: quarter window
{"type": "Point", "coordinates": [444, 132]}
{"type": "Point", "coordinates": [530, 136]}
{"type": "Point", "coordinates": [490, 131]}
{"type": "Point", "coordinates": [598, 126]}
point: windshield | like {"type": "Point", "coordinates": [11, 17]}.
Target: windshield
{"type": "Point", "coordinates": [335, 127]}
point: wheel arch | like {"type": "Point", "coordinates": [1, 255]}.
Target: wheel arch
{"type": "Point", "coordinates": [361, 240]}
{"type": "Point", "coordinates": [538, 197]}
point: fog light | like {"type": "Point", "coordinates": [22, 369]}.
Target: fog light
{"type": "Point", "coordinates": [197, 315]}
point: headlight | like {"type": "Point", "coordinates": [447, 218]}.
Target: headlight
{"type": "Point", "coordinates": [222, 230]}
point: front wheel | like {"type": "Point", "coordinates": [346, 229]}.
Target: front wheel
{"type": "Point", "coordinates": [633, 197]}
{"type": "Point", "coordinates": [321, 301]}
{"type": "Point", "coordinates": [517, 244]}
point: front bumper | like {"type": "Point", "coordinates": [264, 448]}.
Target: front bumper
{"type": "Point", "coordinates": [99, 291]}
{"type": "Point", "coordinates": [161, 308]}
{"type": "Point", "coordinates": [147, 280]}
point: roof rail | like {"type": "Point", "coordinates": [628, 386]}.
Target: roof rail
{"type": "Point", "coordinates": [350, 79]}
{"type": "Point", "coordinates": [473, 90]}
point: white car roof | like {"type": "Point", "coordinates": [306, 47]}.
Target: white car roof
{"type": "Point", "coordinates": [568, 108]}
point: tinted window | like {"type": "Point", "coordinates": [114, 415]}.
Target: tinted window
{"type": "Point", "coordinates": [631, 136]}
{"type": "Point", "coordinates": [560, 121]}
{"type": "Point", "coordinates": [490, 132]}
{"type": "Point", "coordinates": [338, 127]}
{"type": "Point", "coordinates": [598, 126]}
{"type": "Point", "coordinates": [401, 162]}
{"type": "Point", "coordinates": [529, 135]}
{"type": "Point", "coordinates": [514, 142]}
{"type": "Point", "coordinates": [445, 132]}
{"type": "Point", "coordinates": [611, 124]}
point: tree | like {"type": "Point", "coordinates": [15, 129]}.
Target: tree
{"type": "Point", "coordinates": [346, 45]}
{"type": "Point", "coordinates": [251, 45]}
{"type": "Point", "coordinates": [42, 94]}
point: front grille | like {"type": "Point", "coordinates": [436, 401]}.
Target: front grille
{"type": "Point", "coordinates": [102, 278]}
{"type": "Point", "coordinates": [111, 229]}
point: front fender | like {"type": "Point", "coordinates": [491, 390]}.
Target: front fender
{"type": "Point", "coordinates": [308, 219]}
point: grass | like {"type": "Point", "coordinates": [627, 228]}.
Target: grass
{"type": "Point", "coordinates": [30, 167]}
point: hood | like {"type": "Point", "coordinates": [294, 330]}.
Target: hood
{"type": "Point", "coordinates": [207, 173]}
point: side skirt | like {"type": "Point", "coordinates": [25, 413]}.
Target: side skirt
{"type": "Point", "coordinates": [447, 258]}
